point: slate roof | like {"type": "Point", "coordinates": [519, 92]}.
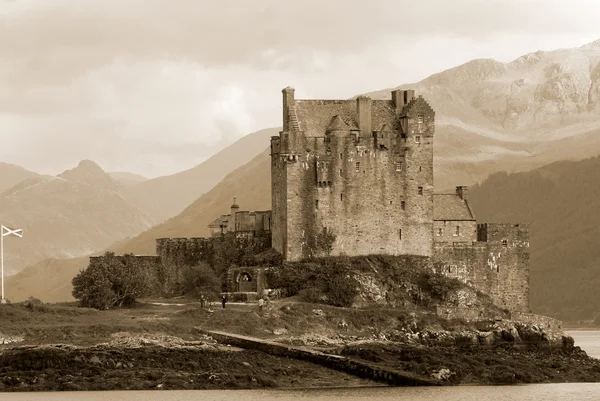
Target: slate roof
{"type": "Point", "coordinates": [451, 207]}
{"type": "Point", "coordinates": [221, 220]}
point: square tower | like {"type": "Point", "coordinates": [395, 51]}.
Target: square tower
{"type": "Point", "coordinates": [353, 177]}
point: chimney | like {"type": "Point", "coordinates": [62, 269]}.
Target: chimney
{"type": "Point", "coordinates": [462, 191]}
{"type": "Point", "coordinates": [234, 210]}
{"type": "Point", "coordinates": [288, 102]}
{"type": "Point", "coordinates": [363, 105]}
{"type": "Point", "coordinates": [398, 100]}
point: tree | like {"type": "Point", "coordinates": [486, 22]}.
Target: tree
{"type": "Point", "coordinates": [112, 281]}
{"type": "Point", "coordinates": [201, 279]}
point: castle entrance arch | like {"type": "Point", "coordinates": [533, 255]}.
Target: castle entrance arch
{"type": "Point", "coordinates": [245, 282]}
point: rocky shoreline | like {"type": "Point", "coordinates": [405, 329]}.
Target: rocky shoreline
{"type": "Point", "coordinates": [499, 353]}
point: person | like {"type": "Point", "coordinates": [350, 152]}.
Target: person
{"type": "Point", "coordinates": [261, 304]}
{"type": "Point", "coordinates": [202, 301]}
{"type": "Point", "coordinates": [224, 300]}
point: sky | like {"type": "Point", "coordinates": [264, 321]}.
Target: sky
{"type": "Point", "coordinates": [154, 87]}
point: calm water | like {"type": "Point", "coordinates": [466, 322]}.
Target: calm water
{"type": "Point", "coordinates": [588, 340]}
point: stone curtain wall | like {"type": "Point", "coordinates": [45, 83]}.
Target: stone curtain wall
{"type": "Point", "coordinates": [497, 268]}
{"type": "Point", "coordinates": [175, 253]}
{"type": "Point", "coordinates": [467, 231]}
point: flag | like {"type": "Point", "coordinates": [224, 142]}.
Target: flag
{"type": "Point", "coordinates": [9, 231]}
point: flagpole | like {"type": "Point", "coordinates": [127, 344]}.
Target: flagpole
{"type": "Point", "coordinates": [2, 260]}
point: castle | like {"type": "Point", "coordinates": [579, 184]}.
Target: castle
{"type": "Point", "coordinates": [360, 172]}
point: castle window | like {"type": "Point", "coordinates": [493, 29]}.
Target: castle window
{"type": "Point", "coordinates": [420, 119]}
{"type": "Point", "coordinates": [440, 232]}
{"type": "Point", "coordinates": [341, 196]}
{"type": "Point", "coordinates": [419, 168]}
{"type": "Point", "coordinates": [357, 167]}
{"type": "Point", "coordinates": [316, 204]}
{"type": "Point", "coordinates": [504, 243]}
{"type": "Point", "coordinates": [341, 156]}
{"type": "Point", "coordinates": [399, 166]}
{"type": "Point", "coordinates": [420, 190]}
{"type": "Point", "coordinates": [400, 233]}
{"type": "Point", "coordinates": [390, 202]}
{"type": "Point", "coordinates": [457, 231]}
{"type": "Point", "coordinates": [340, 172]}
{"type": "Point", "coordinates": [403, 205]}
{"type": "Point", "coordinates": [417, 138]}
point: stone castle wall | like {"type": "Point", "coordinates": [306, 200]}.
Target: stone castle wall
{"type": "Point", "coordinates": [497, 265]}
{"type": "Point", "coordinates": [467, 231]}
{"type": "Point", "coordinates": [372, 186]}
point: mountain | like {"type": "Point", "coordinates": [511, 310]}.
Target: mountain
{"type": "Point", "coordinates": [50, 279]}
{"type": "Point", "coordinates": [75, 213]}
{"type": "Point", "coordinates": [561, 202]}
{"type": "Point", "coordinates": [515, 116]}
{"type": "Point", "coordinates": [11, 175]}
{"type": "Point", "coordinates": [127, 179]}
{"type": "Point", "coordinates": [250, 184]}
{"type": "Point", "coordinates": [166, 196]}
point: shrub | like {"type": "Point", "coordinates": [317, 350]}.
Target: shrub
{"type": "Point", "coordinates": [111, 282]}
{"type": "Point", "coordinates": [201, 279]}
{"type": "Point", "coordinates": [328, 281]}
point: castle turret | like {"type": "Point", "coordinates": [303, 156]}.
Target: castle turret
{"type": "Point", "coordinates": [234, 210]}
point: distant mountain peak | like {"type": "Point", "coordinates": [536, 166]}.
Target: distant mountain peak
{"type": "Point", "coordinates": [595, 43]}
{"type": "Point", "coordinates": [89, 172]}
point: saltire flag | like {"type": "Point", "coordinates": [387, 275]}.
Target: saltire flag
{"type": "Point", "coordinates": [9, 231]}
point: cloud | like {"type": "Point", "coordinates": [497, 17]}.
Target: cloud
{"type": "Point", "coordinates": [154, 87]}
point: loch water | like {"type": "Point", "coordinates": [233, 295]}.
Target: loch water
{"type": "Point", "coordinates": [587, 340]}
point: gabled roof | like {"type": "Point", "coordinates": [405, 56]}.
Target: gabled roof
{"type": "Point", "coordinates": [315, 116]}
{"type": "Point", "coordinates": [451, 207]}
{"type": "Point", "coordinates": [221, 220]}
{"type": "Point", "coordinates": [418, 102]}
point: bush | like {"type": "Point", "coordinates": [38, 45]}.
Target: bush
{"type": "Point", "coordinates": [111, 282]}
{"type": "Point", "coordinates": [328, 281]}
{"type": "Point", "coordinates": [201, 279]}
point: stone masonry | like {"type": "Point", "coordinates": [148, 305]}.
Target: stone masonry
{"type": "Point", "coordinates": [363, 170]}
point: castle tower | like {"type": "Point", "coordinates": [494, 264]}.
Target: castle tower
{"type": "Point", "coordinates": [234, 210]}
{"type": "Point", "coordinates": [360, 170]}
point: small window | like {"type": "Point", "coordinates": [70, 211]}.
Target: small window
{"type": "Point", "coordinates": [403, 205]}
{"type": "Point", "coordinates": [357, 167]}
{"type": "Point", "coordinates": [420, 190]}
{"type": "Point", "coordinates": [504, 243]}
{"type": "Point", "coordinates": [399, 166]}
{"type": "Point", "coordinates": [340, 172]}
{"type": "Point", "coordinates": [417, 138]}
{"type": "Point", "coordinates": [400, 233]}
{"type": "Point", "coordinates": [457, 231]}
{"type": "Point", "coordinates": [341, 196]}
{"type": "Point", "coordinates": [341, 155]}
{"type": "Point", "coordinates": [419, 168]}
{"type": "Point", "coordinates": [420, 119]}
{"type": "Point", "coordinates": [440, 232]}
{"type": "Point", "coordinates": [390, 202]}
{"type": "Point", "coordinates": [316, 204]}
